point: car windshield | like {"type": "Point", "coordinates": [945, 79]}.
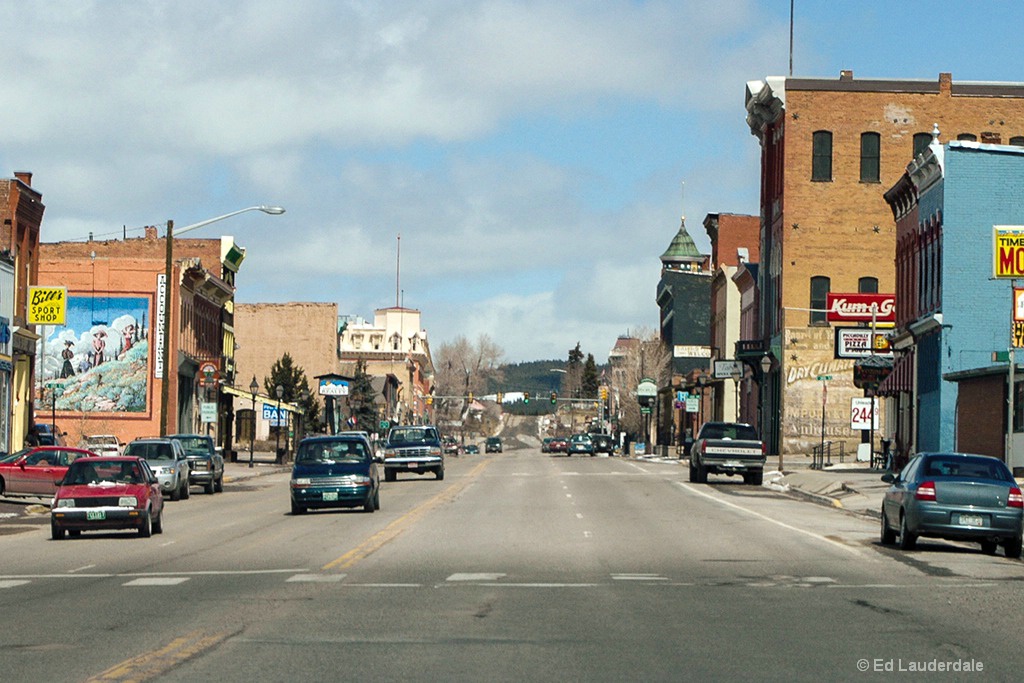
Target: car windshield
{"type": "Point", "coordinates": [971, 468]}
{"type": "Point", "coordinates": [407, 437]}
{"type": "Point", "coordinates": [728, 431]}
{"type": "Point", "coordinates": [193, 445]}
{"type": "Point", "coordinates": [332, 451]}
{"type": "Point", "coordinates": [99, 472]}
{"type": "Point", "coordinates": [102, 440]}
{"type": "Point", "coordinates": [150, 450]}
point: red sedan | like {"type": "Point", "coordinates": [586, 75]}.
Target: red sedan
{"type": "Point", "coordinates": [108, 492]}
{"type": "Point", "coordinates": [37, 471]}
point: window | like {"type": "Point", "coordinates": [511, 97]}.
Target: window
{"type": "Point", "coordinates": [990, 138]}
{"type": "Point", "coordinates": [1017, 140]}
{"type": "Point", "coordinates": [921, 142]}
{"type": "Point", "coordinates": [870, 146]}
{"type": "Point", "coordinates": [867, 285]}
{"type": "Point", "coordinates": [821, 156]}
{"type": "Point", "coordinates": [820, 286]}
{"type": "Point", "coordinates": [968, 137]}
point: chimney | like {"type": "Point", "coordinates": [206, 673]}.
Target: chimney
{"type": "Point", "coordinates": [151, 232]}
{"type": "Point", "coordinates": [24, 176]}
{"type": "Point", "coordinates": [945, 84]}
{"type": "Point", "coordinates": [846, 75]}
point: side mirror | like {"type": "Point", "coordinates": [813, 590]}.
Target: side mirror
{"type": "Point", "coordinates": [889, 478]}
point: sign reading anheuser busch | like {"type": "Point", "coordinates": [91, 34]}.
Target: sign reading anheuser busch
{"type": "Point", "coordinates": [859, 308]}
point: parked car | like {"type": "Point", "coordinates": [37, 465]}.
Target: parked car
{"type": "Point", "coordinates": [102, 444]}
{"type": "Point", "coordinates": [37, 471]}
{"type": "Point", "coordinates": [472, 449]}
{"type": "Point", "coordinates": [168, 461]}
{"type": "Point", "coordinates": [545, 445]}
{"type": "Point", "coordinates": [335, 471]}
{"type": "Point", "coordinates": [955, 496]}
{"type": "Point", "coordinates": [107, 492]}
{"type": "Point", "coordinates": [493, 445]}
{"type": "Point", "coordinates": [50, 436]}
{"type": "Point", "coordinates": [205, 462]}
{"type": "Point", "coordinates": [414, 449]}
{"type": "Point", "coordinates": [603, 443]}
{"type": "Point", "coordinates": [580, 443]}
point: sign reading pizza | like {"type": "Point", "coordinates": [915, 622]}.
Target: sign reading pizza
{"type": "Point", "coordinates": [861, 308]}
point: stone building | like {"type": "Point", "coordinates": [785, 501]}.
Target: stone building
{"type": "Point", "coordinates": [829, 149]}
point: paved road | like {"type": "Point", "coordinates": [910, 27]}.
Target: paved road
{"type": "Point", "coordinates": [519, 566]}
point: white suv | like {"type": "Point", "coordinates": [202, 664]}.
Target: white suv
{"type": "Point", "coordinates": [102, 444]}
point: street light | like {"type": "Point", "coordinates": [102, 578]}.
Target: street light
{"type": "Point", "coordinates": [736, 375]}
{"type": "Point", "coordinates": [254, 388]}
{"type": "Point", "coordinates": [279, 392]}
{"type": "Point", "coordinates": [165, 386]}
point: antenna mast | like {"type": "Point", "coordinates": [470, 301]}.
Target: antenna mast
{"type": "Point", "coordinates": [398, 272]}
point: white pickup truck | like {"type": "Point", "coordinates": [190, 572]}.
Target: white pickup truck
{"type": "Point", "coordinates": [727, 448]}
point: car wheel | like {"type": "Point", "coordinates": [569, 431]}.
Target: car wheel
{"type": "Point", "coordinates": [74, 533]}
{"type": "Point", "coordinates": [376, 499]}
{"type": "Point", "coordinates": [389, 475]}
{"type": "Point", "coordinates": [368, 505]}
{"type": "Point", "coordinates": [989, 547]}
{"type": "Point", "coordinates": [1013, 548]}
{"type": "Point", "coordinates": [210, 487]}
{"type": "Point", "coordinates": [158, 523]}
{"type": "Point", "coordinates": [439, 474]}
{"type": "Point", "coordinates": [693, 473]}
{"type": "Point", "coordinates": [219, 486]}
{"type": "Point", "coordinates": [176, 493]}
{"type": "Point", "coordinates": [702, 474]}
{"type": "Point", "coordinates": [907, 539]}
{"type": "Point", "coordinates": [146, 527]}
{"type": "Point", "coordinates": [298, 509]}
{"type": "Point", "coordinates": [185, 493]}
{"type": "Point", "coordinates": [56, 533]}
{"type": "Point", "coordinates": [888, 536]}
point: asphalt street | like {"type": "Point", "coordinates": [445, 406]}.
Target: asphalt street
{"type": "Point", "coordinates": [518, 566]}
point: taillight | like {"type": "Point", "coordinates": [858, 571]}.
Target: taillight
{"type": "Point", "coordinates": [926, 491]}
{"type": "Point", "coordinates": [764, 448]}
{"type": "Point", "coordinates": [1015, 499]}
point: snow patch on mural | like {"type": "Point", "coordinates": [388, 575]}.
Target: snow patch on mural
{"type": "Point", "coordinates": [99, 361]}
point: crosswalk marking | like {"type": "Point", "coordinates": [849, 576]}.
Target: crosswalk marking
{"type": "Point", "coordinates": [12, 583]}
{"type": "Point", "coordinates": [476, 577]}
{"type": "Point", "coordinates": [158, 581]}
{"type": "Point", "coordinates": [316, 578]}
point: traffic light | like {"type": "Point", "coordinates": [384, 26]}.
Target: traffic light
{"type": "Point", "coordinates": [471, 396]}
{"type": "Point", "coordinates": [604, 393]}
{"type": "Point", "coordinates": [554, 398]}
{"type": "Point", "coordinates": [430, 400]}
{"type": "Point", "coordinates": [526, 397]}
{"type": "Point", "coordinates": [497, 398]}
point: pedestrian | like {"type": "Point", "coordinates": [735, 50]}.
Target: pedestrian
{"type": "Point", "coordinates": [32, 438]}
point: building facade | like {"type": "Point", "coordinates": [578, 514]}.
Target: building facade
{"type": "Point", "coordinates": [829, 150]}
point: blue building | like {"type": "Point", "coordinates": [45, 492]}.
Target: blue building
{"type": "Point", "coordinates": [953, 315]}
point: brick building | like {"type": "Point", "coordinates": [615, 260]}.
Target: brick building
{"type": "Point", "coordinates": [953, 315]}
{"type": "Point", "coordinates": [829, 149]}
{"type": "Point", "coordinates": [107, 360]}
{"type": "Point", "coordinates": [734, 242]}
{"type": "Point", "coordinates": [21, 211]}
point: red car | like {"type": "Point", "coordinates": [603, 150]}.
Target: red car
{"type": "Point", "coordinates": [108, 492]}
{"type": "Point", "coordinates": [37, 471]}
{"type": "Point", "coordinates": [559, 444]}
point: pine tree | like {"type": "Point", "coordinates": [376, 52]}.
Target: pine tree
{"type": "Point", "coordinates": [293, 382]}
{"type": "Point", "coordinates": [590, 382]}
{"type": "Point", "coordinates": [361, 400]}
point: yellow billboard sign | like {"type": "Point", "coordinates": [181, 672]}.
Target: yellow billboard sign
{"type": "Point", "coordinates": [1008, 251]}
{"type": "Point", "coordinates": [47, 305]}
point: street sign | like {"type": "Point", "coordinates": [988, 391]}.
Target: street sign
{"type": "Point", "coordinates": [384, 424]}
{"type": "Point", "coordinates": [693, 404]}
{"type": "Point", "coordinates": [823, 378]}
{"type": "Point", "coordinates": [208, 412]}
{"type": "Point", "coordinates": [724, 369]}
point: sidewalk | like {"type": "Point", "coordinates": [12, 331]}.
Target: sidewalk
{"type": "Point", "coordinates": [263, 464]}
{"type": "Point", "coordinates": [852, 486]}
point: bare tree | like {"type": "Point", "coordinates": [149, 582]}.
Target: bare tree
{"type": "Point", "coordinates": [639, 354]}
{"type": "Point", "coordinates": [463, 367]}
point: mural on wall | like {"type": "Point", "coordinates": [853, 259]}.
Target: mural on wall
{"type": "Point", "coordinates": [99, 361]}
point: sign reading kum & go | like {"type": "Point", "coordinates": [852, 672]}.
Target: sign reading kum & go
{"type": "Point", "coordinates": [1008, 251]}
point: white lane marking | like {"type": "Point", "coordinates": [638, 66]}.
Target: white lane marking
{"type": "Point", "coordinates": [634, 465]}
{"type": "Point", "coordinates": [315, 578]}
{"type": "Point", "coordinates": [540, 585]}
{"type": "Point", "coordinates": [164, 545]}
{"type": "Point", "coordinates": [638, 577]}
{"type": "Point", "coordinates": [587, 534]}
{"type": "Point", "coordinates": [568, 495]}
{"type": "Point", "coordinates": [237, 572]}
{"type": "Point", "coordinates": [579, 515]}
{"type": "Point", "coordinates": [81, 569]}
{"type": "Point", "coordinates": [158, 581]}
{"type": "Point", "coordinates": [479, 576]}
{"type": "Point", "coordinates": [12, 584]}
{"type": "Point", "coordinates": [726, 503]}
{"type": "Point", "coordinates": [382, 585]}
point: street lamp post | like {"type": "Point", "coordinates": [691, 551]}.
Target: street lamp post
{"type": "Point", "coordinates": [254, 387]}
{"type": "Point", "coordinates": [736, 375]}
{"type": "Point", "coordinates": [165, 386]}
{"type": "Point", "coordinates": [279, 392]}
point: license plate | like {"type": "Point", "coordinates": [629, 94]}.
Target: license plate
{"type": "Point", "coordinates": [330, 495]}
{"type": "Point", "coordinates": [95, 514]}
{"type": "Point", "coordinates": [413, 465]}
{"type": "Point", "coordinates": [971, 520]}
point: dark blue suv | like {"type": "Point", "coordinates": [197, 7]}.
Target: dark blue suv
{"type": "Point", "coordinates": [337, 471]}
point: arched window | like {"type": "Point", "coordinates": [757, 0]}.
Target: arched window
{"type": "Point", "coordinates": [821, 156]}
{"type": "Point", "coordinates": [1017, 140]}
{"type": "Point", "coordinates": [820, 286]}
{"type": "Point", "coordinates": [921, 142]}
{"type": "Point", "coordinates": [967, 137]}
{"type": "Point", "coordinates": [867, 285]}
{"type": "Point", "coordinates": [870, 151]}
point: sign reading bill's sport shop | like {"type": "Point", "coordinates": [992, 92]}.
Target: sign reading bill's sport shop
{"type": "Point", "coordinates": [47, 305]}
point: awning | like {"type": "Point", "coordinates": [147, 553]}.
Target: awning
{"type": "Point", "coordinates": [287, 407]}
{"type": "Point", "coordinates": [901, 379]}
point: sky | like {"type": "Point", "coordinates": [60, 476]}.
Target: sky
{"type": "Point", "coordinates": [531, 160]}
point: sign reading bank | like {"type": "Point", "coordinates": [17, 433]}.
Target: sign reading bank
{"type": "Point", "coordinates": [1008, 251]}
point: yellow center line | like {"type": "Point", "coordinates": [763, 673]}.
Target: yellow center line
{"type": "Point", "coordinates": [392, 530]}
{"type": "Point", "coordinates": [152, 664]}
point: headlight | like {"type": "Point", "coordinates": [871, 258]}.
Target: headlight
{"type": "Point", "coordinates": [435, 451]}
{"type": "Point", "coordinates": [304, 481]}
{"type": "Point", "coordinates": [128, 502]}
{"type": "Point", "coordinates": [389, 452]}
{"type": "Point", "coordinates": [66, 503]}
